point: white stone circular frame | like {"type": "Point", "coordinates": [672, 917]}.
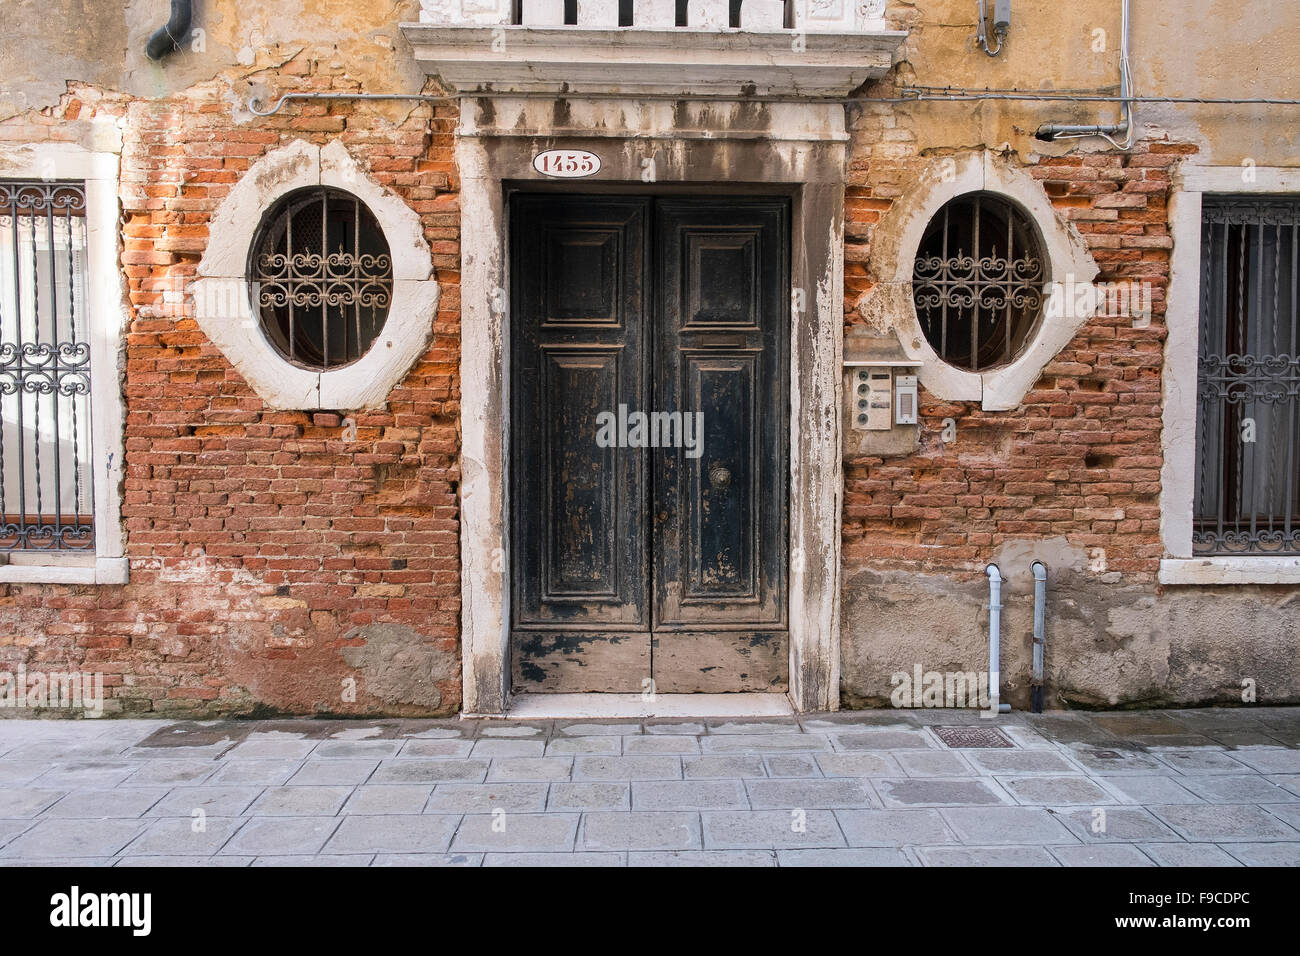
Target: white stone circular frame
{"type": "Point", "coordinates": [223, 306]}
{"type": "Point", "coordinates": [894, 245]}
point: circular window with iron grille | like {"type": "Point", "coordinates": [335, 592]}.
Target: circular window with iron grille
{"type": "Point", "coordinates": [978, 280]}
{"type": "Point", "coordinates": [321, 277]}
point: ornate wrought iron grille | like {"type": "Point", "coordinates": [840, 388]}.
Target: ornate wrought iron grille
{"type": "Point", "coordinates": [1248, 382]}
{"type": "Point", "coordinates": [978, 281]}
{"type": "Point", "coordinates": [46, 500]}
{"type": "Point", "coordinates": [321, 277]}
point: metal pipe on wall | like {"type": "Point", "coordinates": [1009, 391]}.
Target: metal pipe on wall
{"type": "Point", "coordinates": [995, 641]}
{"type": "Point", "coordinates": [1124, 128]}
{"type": "Point", "coordinates": [1040, 638]}
{"type": "Point", "coordinates": [167, 38]}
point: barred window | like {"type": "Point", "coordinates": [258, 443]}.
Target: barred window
{"type": "Point", "coordinates": [977, 282]}
{"type": "Point", "coordinates": [1247, 497]}
{"type": "Point", "coordinates": [46, 499]}
{"type": "Point", "coordinates": [321, 277]}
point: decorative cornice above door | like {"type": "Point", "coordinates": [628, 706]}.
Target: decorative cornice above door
{"type": "Point", "coordinates": [834, 47]}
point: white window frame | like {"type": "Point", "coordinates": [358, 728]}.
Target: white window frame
{"type": "Point", "coordinates": [223, 306]}
{"type": "Point", "coordinates": [1178, 436]}
{"type": "Point", "coordinates": [106, 298]}
{"type": "Point", "coordinates": [894, 244]}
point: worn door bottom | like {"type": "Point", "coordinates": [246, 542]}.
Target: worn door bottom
{"type": "Point", "coordinates": [682, 662]}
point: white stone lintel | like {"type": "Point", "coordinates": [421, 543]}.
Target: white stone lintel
{"type": "Point", "coordinates": [639, 61]}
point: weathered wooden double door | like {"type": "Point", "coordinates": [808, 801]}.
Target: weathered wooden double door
{"type": "Point", "coordinates": [649, 437]}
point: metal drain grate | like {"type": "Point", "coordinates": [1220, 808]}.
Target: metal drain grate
{"type": "Point", "coordinates": [963, 737]}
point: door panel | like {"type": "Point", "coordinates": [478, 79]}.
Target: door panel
{"type": "Point", "coordinates": [666, 561]}
{"type": "Point", "coordinates": [579, 517]}
{"type": "Point", "coordinates": [720, 349]}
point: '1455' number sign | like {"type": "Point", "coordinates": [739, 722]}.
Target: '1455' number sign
{"type": "Point", "coordinates": [566, 163]}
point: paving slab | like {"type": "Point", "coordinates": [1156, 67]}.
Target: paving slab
{"type": "Point", "coordinates": [80, 838]}
{"type": "Point", "coordinates": [388, 798]}
{"type": "Point", "coordinates": [300, 801]}
{"type": "Point", "coordinates": [531, 768]}
{"type": "Point", "coordinates": [517, 833]}
{"type": "Point", "coordinates": [1102, 854]}
{"type": "Point", "coordinates": [184, 837]}
{"type": "Point", "coordinates": [586, 795]}
{"type": "Point", "coordinates": [213, 801]}
{"type": "Point", "coordinates": [332, 771]}
{"type": "Point", "coordinates": [986, 856]}
{"type": "Point", "coordinates": [104, 804]}
{"type": "Point", "coordinates": [809, 794]}
{"type": "Point", "coordinates": [1055, 791]}
{"type": "Point", "coordinates": [427, 859]}
{"type": "Point", "coordinates": [689, 795]}
{"type": "Point", "coordinates": [743, 765]}
{"type": "Point", "coordinates": [657, 767]}
{"type": "Point", "coordinates": [1234, 823]}
{"type": "Point", "coordinates": [26, 802]}
{"type": "Point", "coordinates": [639, 831]}
{"type": "Point", "coordinates": [581, 859]}
{"type": "Point", "coordinates": [1187, 854]}
{"type": "Point", "coordinates": [1222, 788]}
{"type": "Point", "coordinates": [938, 792]}
{"type": "Point", "coordinates": [486, 797]}
{"type": "Point", "coordinates": [279, 836]}
{"type": "Point", "coordinates": [1118, 824]}
{"type": "Point", "coordinates": [893, 827]}
{"type": "Point", "coordinates": [771, 829]}
{"type": "Point", "coordinates": [1266, 854]}
{"type": "Point", "coordinates": [852, 856]}
{"type": "Point", "coordinates": [406, 833]}
{"type": "Point", "coordinates": [661, 744]}
{"type": "Point", "coordinates": [431, 770]}
{"type": "Point", "coordinates": [1005, 825]}
{"type": "Point", "coordinates": [862, 764]}
{"type": "Point", "coordinates": [699, 858]}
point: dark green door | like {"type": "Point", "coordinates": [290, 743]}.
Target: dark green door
{"type": "Point", "coordinates": [648, 444]}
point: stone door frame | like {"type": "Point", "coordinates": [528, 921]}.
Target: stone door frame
{"type": "Point", "coordinates": [790, 149]}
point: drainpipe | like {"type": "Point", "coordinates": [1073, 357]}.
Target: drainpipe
{"type": "Point", "coordinates": [167, 38]}
{"type": "Point", "coordinates": [1122, 129]}
{"type": "Point", "coordinates": [995, 641]}
{"type": "Point", "coordinates": [1040, 640]}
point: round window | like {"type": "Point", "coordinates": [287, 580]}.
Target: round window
{"type": "Point", "coordinates": [321, 277]}
{"type": "Point", "coordinates": [977, 282]}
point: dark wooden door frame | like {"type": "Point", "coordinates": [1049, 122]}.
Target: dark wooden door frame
{"type": "Point", "coordinates": [717, 627]}
{"type": "Point", "coordinates": [795, 150]}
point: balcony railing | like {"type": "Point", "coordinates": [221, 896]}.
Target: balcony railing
{"type": "Point", "coordinates": [836, 16]}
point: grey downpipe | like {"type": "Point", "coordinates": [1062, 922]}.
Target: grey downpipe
{"type": "Point", "coordinates": [995, 641]}
{"type": "Point", "coordinates": [1040, 638]}
{"type": "Point", "coordinates": [1122, 129]}
{"type": "Point", "coordinates": [167, 38]}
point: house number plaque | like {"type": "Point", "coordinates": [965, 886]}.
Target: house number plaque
{"type": "Point", "coordinates": [566, 163]}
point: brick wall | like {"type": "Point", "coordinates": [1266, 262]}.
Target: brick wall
{"type": "Point", "coordinates": [272, 558]}
{"type": "Point", "coordinates": [1081, 458]}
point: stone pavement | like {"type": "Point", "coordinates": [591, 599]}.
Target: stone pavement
{"type": "Point", "coordinates": [1209, 787]}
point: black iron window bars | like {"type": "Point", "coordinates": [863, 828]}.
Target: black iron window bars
{"type": "Point", "coordinates": [321, 277]}
{"type": "Point", "coordinates": [977, 282]}
{"type": "Point", "coordinates": [1247, 498]}
{"type": "Point", "coordinates": [46, 499]}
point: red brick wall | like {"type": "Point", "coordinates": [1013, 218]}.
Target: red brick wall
{"type": "Point", "coordinates": [265, 546]}
{"type": "Point", "coordinates": [1081, 457]}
